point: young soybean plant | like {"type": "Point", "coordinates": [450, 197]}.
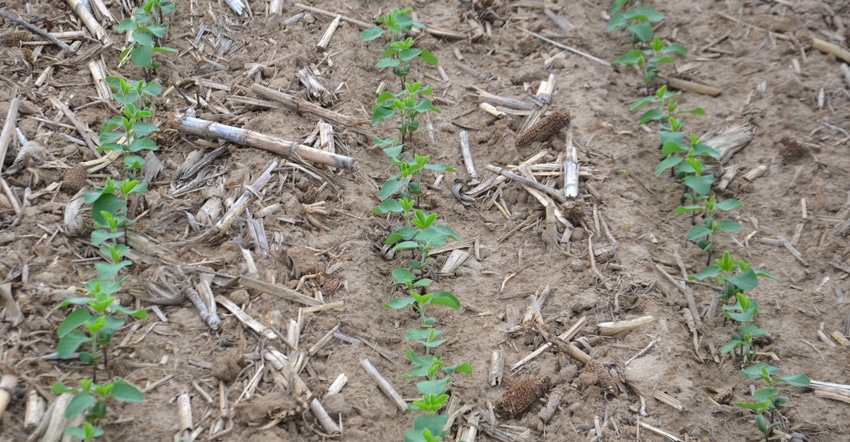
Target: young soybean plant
{"type": "Point", "coordinates": [766, 401]}
{"type": "Point", "coordinates": [411, 101]}
{"type": "Point", "coordinates": [650, 60]}
{"type": "Point", "coordinates": [705, 234]}
{"type": "Point", "coordinates": [736, 277]}
{"type": "Point", "coordinates": [92, 399]}
{"type": "Point", "coordinates": [147, 28]}
{"type": "Point", "coordinates": [399, 50]}
{"type": "Point", "coordinates": [638, 21]}
{"type": "Point", "coordinates": [434, 390]}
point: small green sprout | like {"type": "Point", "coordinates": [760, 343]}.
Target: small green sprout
{"type": "Point", "coordinates": [650, 60]}
{"type": "Point", "coordinates": [146, 29]}
{"type": "Point", "coordinates": [638, 21]}
{"type": "Point", "coordinates": [92, 399]}
{"type": "Point", "coordinates": [766, 401]}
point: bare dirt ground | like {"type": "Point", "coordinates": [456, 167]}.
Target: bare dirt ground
{"type": "Point", "coordinates": [770, 83]}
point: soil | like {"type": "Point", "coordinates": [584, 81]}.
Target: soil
{"type": "Point", "coordinates": [772, 84]}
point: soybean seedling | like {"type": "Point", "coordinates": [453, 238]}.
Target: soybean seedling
{"type": "Point", "coordinates": [638, 21]}
{"type": "Point", "coordinates": [128, 133]}
{"type": "Point", "coordinates": [92, 399]}
{"type": "Point", "coordinates": [733, 275]}
{"type": "Point", "coordinates": [743, 311]}
{"type": "Point", "coordinates": [422, 234]}
{"type": "Point", "coordinates": [400, 50]}
{"type": "Point", "coordinates": [650, 60]}
{"type": "Point", "coordinates": [82, 327]}
{"type": "Point", "coordinates": [407, 183]}
{"type": "Point", "coordinates": [146, 29]}
{"type": "Point", "coordinates": [704, 235]}
{"type": "Point", "coordinates": [667, 113]}
{"type": "Point", "coordinates": [409, 104]}
{"type": "Point", "coordinates": [434, 390]}
{"type": "Point", "coordinates": [766, 401]}
{"type": "Point", "coordinates": [420, 303]}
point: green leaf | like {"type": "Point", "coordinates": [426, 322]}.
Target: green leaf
{"type": "Point", "coordinates": [688, 209]}
{"type": "Point", "coordinates": [764, 427]}
{"type": "Point", "coordinates": [108, 271]}
{"type": "Point", "coordinates": [462, 368]}
{"type": "Point", "coordinates": [403, 276]}
{"type": "Point", "coordinates": [642, 32]}
{"type": "Point", "coordinates": [124, 392]}
{"type": "Point", "coordinates": [698, 231]}
{"type": "Point", "coordinates": [128, 98]}
{"type": "Point", "coordinates": [617, 21]}
{"type": "Point", "coordinates": [765, 394]}
{"type": "Point", "coordinates": [73, 320]}
{"type": "Point", "coordinates": [142, 55]}
{"type": "Point", "coordinates": [426, 428]}
{"type": "Point", "coordinates": [143, 129]}
{"type": "Point", "coordinates": [671, 137]}
{"type": "Point", "coordinates": [387, 62]}
{"type": "Point", "coordinates": [158, 30]}
{"type": "Point", "coordinates": [729, 346]}
{"type": "Point", "coordinates": [675, 49]}
{"type": "Point", "coordinates": [651, 115]}
{"type": "Point", "coordinates": [753, 330]}
{"type": "Point", "coordinates": [632, 57]}
{"type": "Point", "coordinates": [695, 111]}
{"type": "Point", "coordinates": [618, 4]}
{"type": "Point", "coordinates": [755, 371]}
{"type": "Point", "coordinates": [758, 406]}
{"type": "Point", "coordinates": [643, 102]}
{"type": "Point", "coordinates": [728, 226]}
{"type": "Point", "coordinates": [414, 334]}
{"type": "Point", "coordinates": [744, 281]}
{"type": "Point", "coordinates": [440, 167]}
{"type": "Point", "coordinates": [133, 162]}
{"type": "Point", "coordinates": [389, 206]}
{"type": "Point", "coordinates": [659, 60]}
{"type": "Point", "coordinates": [700, 184]}
{"type": "Point", "coordinates": [390, 187]}
{"type": "Point", "coordinates": [702, 149]}
{"type": "Point", "coordinates": [79, 404]}
{"type": "Point", "coordinates": [446, 299]}
{"type": "Point", "coordinates": [140, 144]}
{"type": "Point", "coordinates": [708, 272]}
{"type": "Point", "coordinates": [68, 344]}
{"type": "Point", "coordinates": [644, 14]}
{"type": "Point", "coordinates": [126, 25]}
{"type": "Point", "coordinates": [162, 49]}
{"type": "Point", "coordinates": [143, 38]}
{"type": "Point", "coordinates": [152, 89]}
{"type": "Point", "coordinates": [406, 245]}
{"type": "Point", "coordinates": [381, 113]}
{"type": "Point", "coordinates": [398, 303]}
{"type": "Point", "coordinates": [435, 387]}
{"type": "Point", "coordinates": [409, 54]}
{"type": "Point", "coordinates": [447, 231]}
{"type": "Point", "coordinates": [428, 57]}
{"type": "Point", "coordinates": [672, 147]}
{"type": "Point", "coordinates": [101, 235]}
{"type": "Point", "coordinates": [432, 237]}
{"type": "Point", "coordinates": [372, 33]}
{"type": "Point", "coordinates": [797, 380]}
{"type": "Point", "coordinates": [404, 233]}
{"type": "Point", "coordinates": [727, 205]}
{"type": "Point", "coordinates": [669, 162]}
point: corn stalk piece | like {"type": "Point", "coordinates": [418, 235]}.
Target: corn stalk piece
{"type": "Point", "coordinates": [208, 129]}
